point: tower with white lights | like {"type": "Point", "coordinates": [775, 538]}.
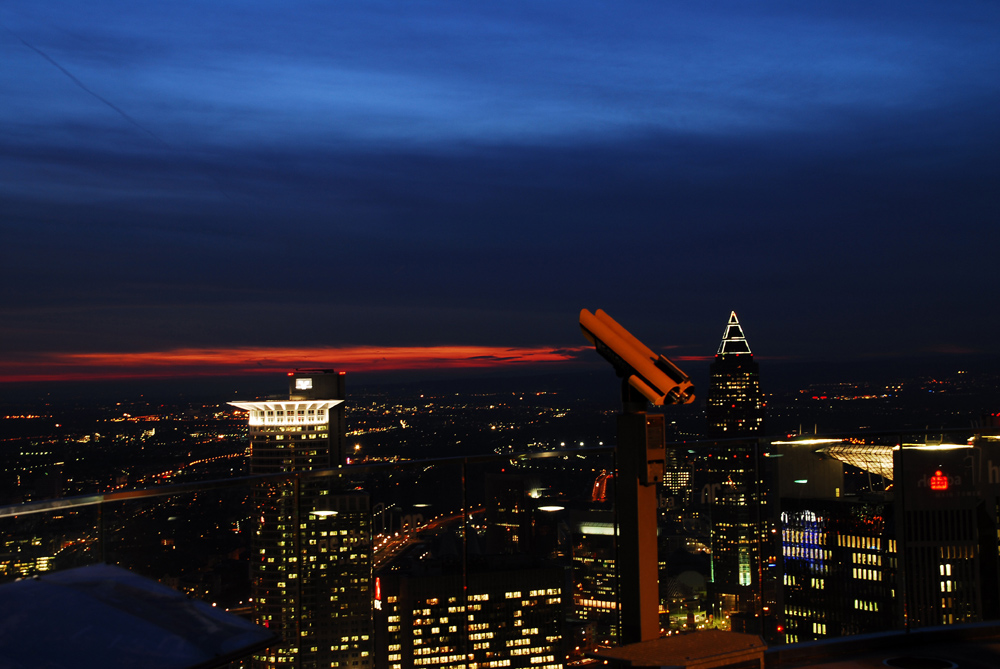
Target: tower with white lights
{"type": "Point", "coordinates": [735, 405]}
{"type": "Point", "coordinates": [735, 492]}
{"type": "Point", "coordinates": [311, 553]}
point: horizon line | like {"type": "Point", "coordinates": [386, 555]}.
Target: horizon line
{"type": "Point", "coordinates": [201, 362]}
{"type": "Point", "coordinates": [194, 362]}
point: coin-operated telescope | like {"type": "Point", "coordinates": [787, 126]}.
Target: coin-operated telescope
{"type": "Point", "coordinates": [641, 455]}
{"type": "Point", "coordinates": [653, 376]}
{"type": "Point", "coordinates": [645, 376]}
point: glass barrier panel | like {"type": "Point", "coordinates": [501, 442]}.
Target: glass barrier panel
{"type": "Point", "coordinates": [196, 542]}
{"type": "Point", "coordinates": [36, 543]}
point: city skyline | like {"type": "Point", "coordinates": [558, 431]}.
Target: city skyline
{"type": "Point", "coordinates": [446, 576]}
{"type": "Point", "coordinates": [404, 177]}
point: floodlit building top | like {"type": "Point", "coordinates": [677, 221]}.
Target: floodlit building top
{"type": "Point", "coordinates": [733, 340]}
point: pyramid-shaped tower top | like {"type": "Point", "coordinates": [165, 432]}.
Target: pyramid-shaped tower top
{"type": "Point", "coordinates": [733, 341]}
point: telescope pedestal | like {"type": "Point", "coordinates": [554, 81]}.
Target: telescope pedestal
{"type": "Point", "coordinates": [638, 564]}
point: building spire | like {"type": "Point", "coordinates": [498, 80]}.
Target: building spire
{"type": "Point", "coordinates": [733, 341]}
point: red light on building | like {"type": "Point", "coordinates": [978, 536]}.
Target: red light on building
{"type": "Point", "coordinates": [939, 481]}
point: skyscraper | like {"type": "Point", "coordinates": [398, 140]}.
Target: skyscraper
{"type": "Point", "coordinates": [595, 594]}
{"type": "Point", "coordinates": [735, 406]}
{"type": "Point", "coordinates": [311, 553]}
{"type": "Point", "coordinates": [736, 494]}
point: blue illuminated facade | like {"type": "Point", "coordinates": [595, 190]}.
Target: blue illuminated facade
{"type": "Point", "coordinates": [839, 569]}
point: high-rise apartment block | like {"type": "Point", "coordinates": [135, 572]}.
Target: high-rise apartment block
{"type": "Point", "coordinates": [311, 553]}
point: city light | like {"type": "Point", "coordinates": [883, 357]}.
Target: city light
{"type": "Point", "coordinates": [737, 533]}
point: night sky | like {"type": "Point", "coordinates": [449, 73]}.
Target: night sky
{"type": "Point", "coordinates": [206, 185]}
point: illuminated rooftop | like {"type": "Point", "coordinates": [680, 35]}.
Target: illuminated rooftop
{"type": "Point", "coordinates": [872, 458]}
{"type": "Point", "coordinates": [287, 411]}
{"type": "Point", "coordinates": [733, 340]}
{"type": "Point", "coordinates": [875, 458]}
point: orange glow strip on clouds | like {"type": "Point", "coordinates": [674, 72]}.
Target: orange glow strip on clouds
{"type": "Point", "coordinates": [214, 362]}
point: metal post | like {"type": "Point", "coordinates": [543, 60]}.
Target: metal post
{"type": "Point", "coordinates": [899, 504]}
{"type": "Point", "coordinates": [101, 535]}
{"type": "Point", "coordinates": [638, 564]}
{"type": "Point", "coordinates": [618, 544]}
{"type": "Point", "coordinates": [465, 561]}
{"type": "Point", "coordinates": [646, 378]}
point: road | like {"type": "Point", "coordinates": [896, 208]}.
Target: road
{"type": "Point", "coordinates": [388, 547]}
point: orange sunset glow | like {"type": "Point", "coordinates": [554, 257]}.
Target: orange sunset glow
{"type": "Point", "coordinates": [231, 361]}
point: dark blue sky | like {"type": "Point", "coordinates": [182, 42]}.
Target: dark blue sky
{"type": "Point", "coordinates": [213, 174]}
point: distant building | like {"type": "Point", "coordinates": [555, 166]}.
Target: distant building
{"type": "Point", "coordinates": [595, 594]}
{"type": "Point", "coordinates": [311, 553]}
{"type": "Point", "coordinates": [508, 515]}
{"type": "Point", "coordinates": [27, 552]}
{"type": "Point", "coordinates": [506, 617]}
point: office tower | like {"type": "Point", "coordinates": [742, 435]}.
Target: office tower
{"type": "Point", "coordinates": [732, 497]}
{"type": "Point", "coordinates": [839, 568]}
{"type": "Point", "coordinates": [499, 617]}
{"type": "Point", "coordinates": [311, 553]}
{"type": "Point", "coordinates": [921, 553]}
{"type": "Point", "coordinates": [946, 519]}
{"type": "Point", "coordinates": [733, 481]}
{"type": "Point", "coordinates": [508, 515]}
{"type": "Point", "coordinates": [595, 595]}
{"type": "Point", "coordinates": [735, 406]}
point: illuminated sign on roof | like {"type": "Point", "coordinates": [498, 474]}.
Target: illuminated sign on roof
{"type": "Point", "coordinates": [939, 481]}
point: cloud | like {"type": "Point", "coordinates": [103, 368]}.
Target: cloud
{"type": "Point", "coordinates": [226, 362]}
{"type": "Point", "coordinates": [443, 172]}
